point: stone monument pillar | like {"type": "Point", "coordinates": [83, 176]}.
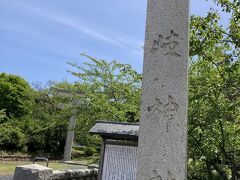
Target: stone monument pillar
{"type": "Point", "coordinates": [162, 147]}
{"type": "Point", "coordinates": [69, 139]}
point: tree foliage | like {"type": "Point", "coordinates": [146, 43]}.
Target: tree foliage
{"type": "Point", "coordinates": [15, 95]}
{"type": "Point", "coordinates": [42, 129]}
{"type": "Point", "coordinates": [112, 93]}
{"type": "Point", "coordinates": [11, 138]}
{"type": "Point", "coordinates": [46, 125]}
{"type": "Point", "coordinates": [214, 96]}
{"type": "Point", "coordinates": [112, 89]}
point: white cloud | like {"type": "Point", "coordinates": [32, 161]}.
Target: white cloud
{"type": "Point", "coordinates": [105, 35]}
{"type": "Point", "coordinates": [72, 23]}
{"type": "Point", "coordinates": [130, 47]}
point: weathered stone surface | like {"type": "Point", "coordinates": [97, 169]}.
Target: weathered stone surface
{"type": "Point", "coordinates": [38, 172]}
{"type": "Point", "coordinates": [76, 174]}
{"type": "Point", "coordinates": [32, 172]}
{"type": "Point", "coordinates": [162, 143]}
{"type": "Point", "coordinates": [70, 137]}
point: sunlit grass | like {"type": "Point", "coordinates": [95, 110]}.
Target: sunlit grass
{"type": "Point", "coordinates": [8, 167]}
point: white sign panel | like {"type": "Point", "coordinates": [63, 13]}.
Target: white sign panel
{"type": "Point", "coordinates": [120, 162]}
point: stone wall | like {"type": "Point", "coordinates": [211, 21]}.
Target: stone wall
{"type": "Point", "coordinates": [38, 172]}
{"type": "Point", "coordinates": [79, 174]}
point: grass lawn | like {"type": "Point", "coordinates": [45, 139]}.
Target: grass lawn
{"type": "Point", "coordinates": [8, 167]}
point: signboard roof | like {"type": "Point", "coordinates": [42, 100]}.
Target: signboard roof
{"type": "Point", "coordinates": [116, 130]}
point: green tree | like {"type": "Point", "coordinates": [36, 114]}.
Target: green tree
{"type": "Point", "coordinates": [15, 95]}
{"type": "Point", "coordinates": [46, 126]}
{"type": "Point", "coordinates": [112, 93]}
{"type": "Point", "coordinates": [214, 96]}
{"type": "Point", "coordinates": [2, 115]}
{"type": "Point", "coordinates": [11, 138]}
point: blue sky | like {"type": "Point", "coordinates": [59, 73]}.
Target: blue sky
{"type": "Point", "coordinates": [37, 38]}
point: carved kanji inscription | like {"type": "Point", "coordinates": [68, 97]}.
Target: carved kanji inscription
{"type": "Point", "coordinates": [167, 110]}
{"type": "Point", "coordinates": [170, 110]}
{"type": "Point", "coordinates": [156, 176]}
{"type": "Point", "coordinates": [169, 44]}
{"type": "Point", "coordinates": [156, 107]}
{"type": "Point", "coordinates": [170, 176]}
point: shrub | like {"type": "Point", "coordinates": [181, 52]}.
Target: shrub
{"type": "Point", "coordinates": [76, 154]}
{"type": "Point", "coordinates": [11, 138]}
{"type": "Point", "coordinates": [45, 139]}
{"type": "Point", "coordinates": [89, 151]}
